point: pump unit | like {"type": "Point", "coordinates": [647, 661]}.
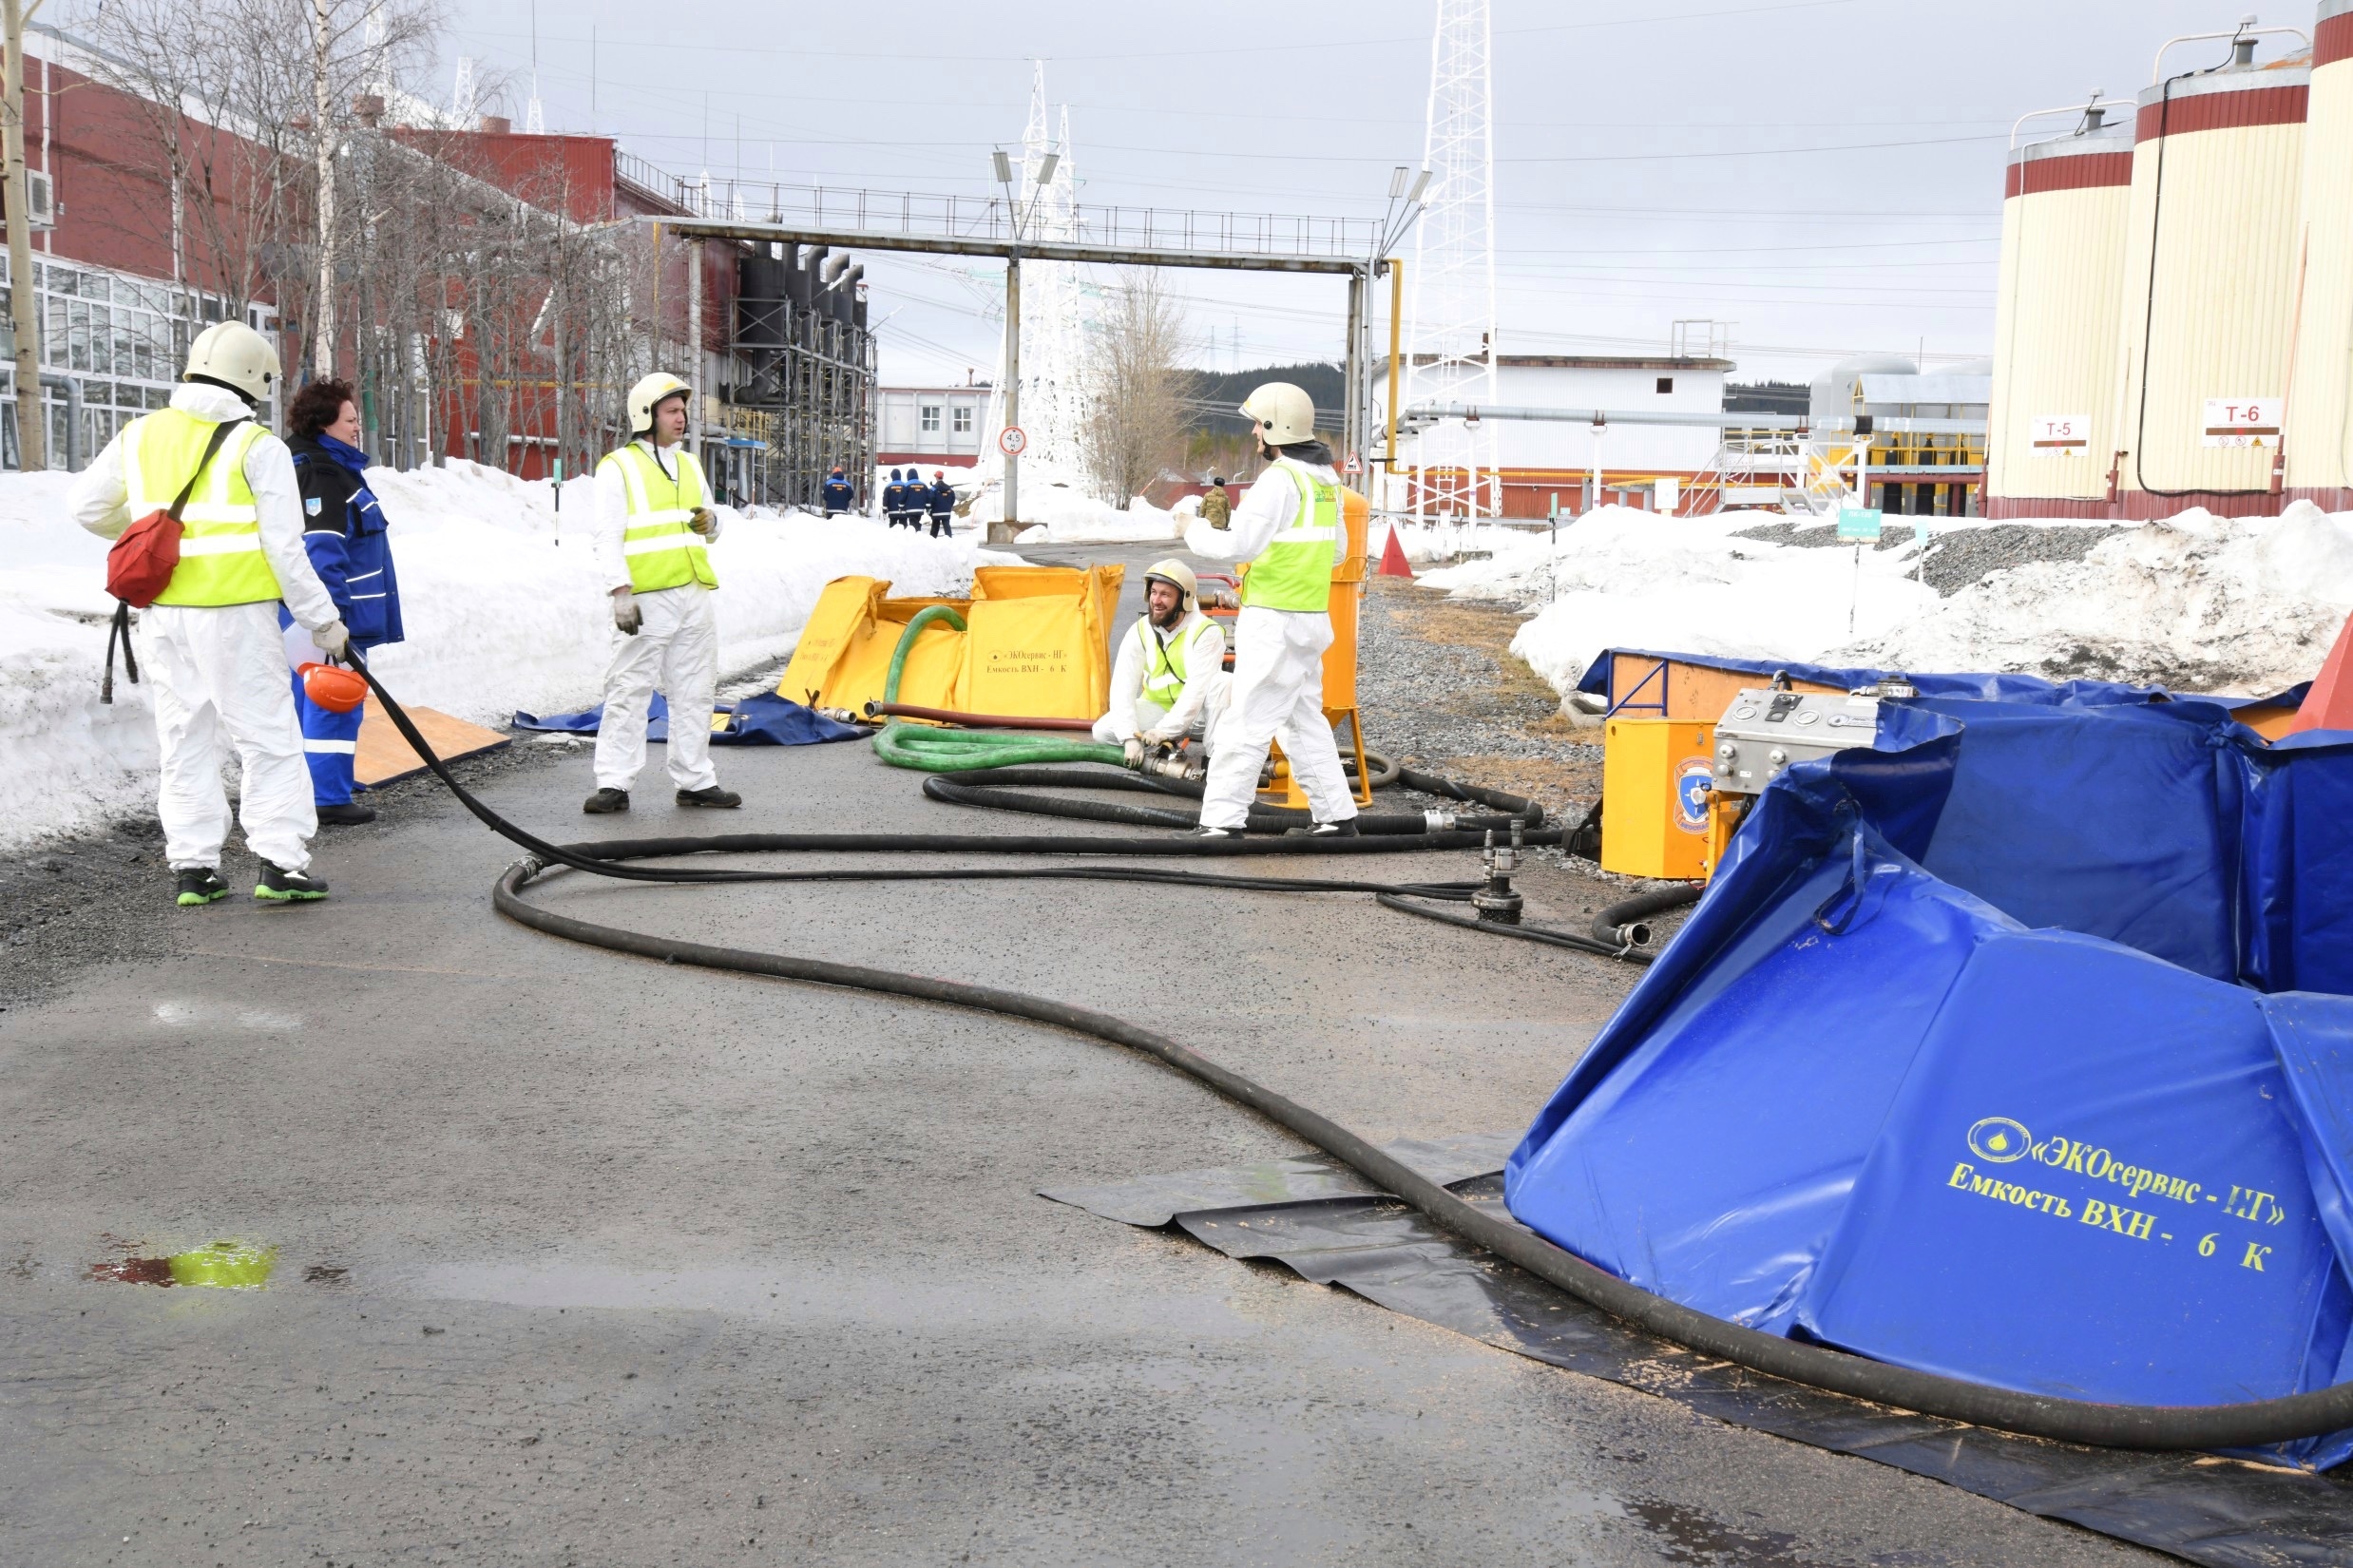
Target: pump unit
{"type": "Point", "coordinates": [2056, 322]}
{"type": "Point", "coordinates": [2319, 406]}
{"type": "Point", "coordinates": [2209, 288]}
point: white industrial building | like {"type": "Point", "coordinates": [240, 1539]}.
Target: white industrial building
{"type": "Point", "coordinates": [1642, 465]}
{"type": "Point", "coordinates": [931, 426]}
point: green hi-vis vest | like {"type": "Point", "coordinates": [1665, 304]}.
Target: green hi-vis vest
{"type": "Point", "coordinates": [221, 559]}
{"type": "Point", "coordinates": [1293, 572]}
{"type": "Point", "coordinates": [1164, 661]}
{"type": "Point", "coordinates": [662, 551]}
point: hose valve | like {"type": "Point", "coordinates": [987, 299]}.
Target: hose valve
{"type": "Point", "coordinates": [1497, 903]}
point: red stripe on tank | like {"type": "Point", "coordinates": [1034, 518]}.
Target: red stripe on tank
{"type": "Point", "coordinates": [2222, 111]}
{"type": "Point", "coordinates": [2084, 171]}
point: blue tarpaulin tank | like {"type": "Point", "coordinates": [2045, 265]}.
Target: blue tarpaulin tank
{"type": "Point", "coordinates": [2018, 1048]}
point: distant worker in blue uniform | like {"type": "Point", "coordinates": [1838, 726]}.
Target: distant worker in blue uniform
{"type": "Point", "coordinates": [941, 502]}
{"type": "Point", "coordinates": [894, 500]}
{"type": "Point", "coordinates": [343, 534]}
{"type": "Point", "coordinates": [839, 497]}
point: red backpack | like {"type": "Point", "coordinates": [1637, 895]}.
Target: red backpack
{"type": "Point", "coordinates": [139, 566]}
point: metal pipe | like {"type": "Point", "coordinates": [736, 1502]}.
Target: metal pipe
{"type": "Point", "coordinates": [1397, 318]}
{"type": "Point", "coordinates": [1035, 249]}
{"type": "Point", "coordinates": [2156, 67]}
{"type": "Point", "coordinates": [1796, 423]}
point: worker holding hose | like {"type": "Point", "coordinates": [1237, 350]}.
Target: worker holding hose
{"type": "Point", "coordinates": [1168, 682]}
{"type": "Point", "coordinates": [1287, 528]}
{"type": "Point", "coordinates": [653, 520]}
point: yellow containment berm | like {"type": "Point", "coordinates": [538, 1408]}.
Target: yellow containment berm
{"type": "Point", "coordinates": [1036, 642]}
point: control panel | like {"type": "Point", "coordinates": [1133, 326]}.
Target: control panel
{"type": "Point", "coordinates": [1764, 731]}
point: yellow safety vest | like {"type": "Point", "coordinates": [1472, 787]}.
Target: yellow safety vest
{"type": "Point", "coordinates": [662, 551]}
{"type": "Point", "coordinates": [1164, 659]}
{"type": "Point", "coordinates": [1293, 572]}
{"type": "Point", "coordinates": [221, 559]}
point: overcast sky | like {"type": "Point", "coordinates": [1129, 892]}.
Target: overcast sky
{"type": "Point", "coordinates": [1824, 174]}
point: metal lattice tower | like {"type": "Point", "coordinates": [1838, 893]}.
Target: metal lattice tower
{"type": "Point", "coordinates": [1056, 309]}
{"type": "Point", "coordinates": [1450, 314]}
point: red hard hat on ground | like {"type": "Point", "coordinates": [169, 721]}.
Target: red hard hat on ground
{"type": "Point", "coordinates": [334, 688]}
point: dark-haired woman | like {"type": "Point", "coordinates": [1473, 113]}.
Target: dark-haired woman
{"type": "Point", "coordinates": [344, 536]}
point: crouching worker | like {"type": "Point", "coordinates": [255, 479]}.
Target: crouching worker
{"type": "Point", "coordinates": [1287, 528]}
{"type": "Point", "coordinates": [653, 519]}
{"type": "Point", "coordinates": [1168, 682]}
{"type": "Point", "coordinates": [209, 644]}
{"type": "Point", "coordinates": [343, 533]}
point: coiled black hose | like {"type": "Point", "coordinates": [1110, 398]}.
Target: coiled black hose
{"type": "Point", "coordinates": [2163, 1427]}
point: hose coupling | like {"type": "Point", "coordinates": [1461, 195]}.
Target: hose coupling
{"type": "Point", "coordinates": [1174, 766]}
{"type": "Point", "coordinates": [1437, 822]}
{"type": "Point", "coordinates": [531, 866]}
{"type": "Point", "coordinates": [1635, 933]}
{"type": "Point", "coordinates": [1498, 902]}
{"type": "Point", "coordinates": [849, 715]}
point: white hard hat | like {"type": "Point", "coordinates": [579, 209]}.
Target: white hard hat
{"type": "Point", "coordinates": [1179, 576]}
{"type": "Point", "coordinates": [1286, 412]}
{"type": "Point", "coordinates": [234, 355]}
{"type": "Point", "coordinates": [650, 390]}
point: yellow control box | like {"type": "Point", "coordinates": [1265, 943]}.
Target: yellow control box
{"type": "Point", "coordinates": [1656, 777]}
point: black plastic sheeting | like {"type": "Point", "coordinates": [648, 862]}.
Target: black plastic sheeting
{"type": "Point", "coordinates": [1328, 1225]}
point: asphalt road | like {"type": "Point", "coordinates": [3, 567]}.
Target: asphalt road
{"type": "Point", "coordinates": [586, 1259]}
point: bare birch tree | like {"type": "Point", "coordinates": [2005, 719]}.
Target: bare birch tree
{"type": "Point", "coordinates": [1134, 429]}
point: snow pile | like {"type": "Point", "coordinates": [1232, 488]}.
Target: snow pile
{"type": "Point", "coordinates": [1619, 576]}
{"type": "Point", "coordinates": [1440, 542]}
{"type": "Point", "coordinates": [2194, 602]}
{"type": "Point", "coordinates": [503, 610]}
{"type": "Point", "coordinates": [1056, 504]}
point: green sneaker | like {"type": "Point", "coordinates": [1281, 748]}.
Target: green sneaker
{"type": "Point", "coordinates": [201, 884]}
{"type": "Point", "coordinates": [286, 887]}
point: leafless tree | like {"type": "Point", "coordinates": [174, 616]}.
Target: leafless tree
{"type": "Point", "coordinates": [1135, 428]}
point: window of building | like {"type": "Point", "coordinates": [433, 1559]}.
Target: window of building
{"type": "Point", "coordinates": [963, 420]}
{"type": "Point", "coordinates": [1666, 384]}
{"type": "Point", "coordinates": [929, 419]}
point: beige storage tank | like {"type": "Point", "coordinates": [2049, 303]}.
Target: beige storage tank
{"type": "Point", "coordinates": [2209, 283]}
{"type": "Point", "coordinates": [2320, 404]}
{"type": "Point", "coordinates": [2055, 321]}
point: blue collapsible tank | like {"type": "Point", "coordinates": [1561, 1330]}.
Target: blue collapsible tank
{"type": "Point", "coordinates": [2018, 1048]}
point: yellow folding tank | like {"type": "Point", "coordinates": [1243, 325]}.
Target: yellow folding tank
{"type": "Point", "coordinates": [1036, 644]}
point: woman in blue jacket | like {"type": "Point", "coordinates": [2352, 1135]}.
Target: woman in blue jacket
{"type": "Point", "coordinates": [344, 536]}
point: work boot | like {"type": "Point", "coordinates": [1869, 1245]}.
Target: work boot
{"type": "Point", "coordinates": [1205, 830]}
{"type": "Point", "coordinates": [280, 886]}
{"type": "Point", "coordinates": [201, 884]}
{"type": "Point", "coordinates": [605, 802]}
{"type": "Point", "coordinates": [709, 794]}
{"type": "Point", "coordinates": [351, 814]}
{"type": "Point", "coordinates": [1345, 827]}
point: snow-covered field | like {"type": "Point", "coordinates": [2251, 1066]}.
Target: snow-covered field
{"type": "Point", "coordinates": [502, 606]}
{"type": "Point", "coordinates": [2194, 602]}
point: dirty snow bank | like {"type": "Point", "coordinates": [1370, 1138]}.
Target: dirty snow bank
{"type": "Point", "coordinates": [503, 604]}
{"type": "Point", "coordinates": [1619, 576]}
{"type": "Point", "coordinates": [2194, 602]}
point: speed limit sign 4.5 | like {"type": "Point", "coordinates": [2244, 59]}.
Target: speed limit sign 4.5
{"type": "Point", "coordinates": [1011, 440]}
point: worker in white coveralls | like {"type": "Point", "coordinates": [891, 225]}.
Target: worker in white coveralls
{"type": "Point", "coordinates": [1287, 528]}
{"type": "Point", "coordinates": [209, 644]}
{"type": "Point", "coordinates": [653, 521]}
{"type": "Point", "coordinates": [1168, 682]}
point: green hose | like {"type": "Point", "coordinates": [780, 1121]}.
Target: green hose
{"type": "Point", "coordinates": [931, 751]}
{"type": "Point", "coordinates": [906, 644]}
{"type": "Point", "coordinates": [960, 751]}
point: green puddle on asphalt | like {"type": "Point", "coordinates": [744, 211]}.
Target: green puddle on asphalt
{"type": "Point", "coordinates": [222, 1265]}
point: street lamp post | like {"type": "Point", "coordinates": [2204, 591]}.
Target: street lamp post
{"type": "Point", "coordinates": [1002, 532]}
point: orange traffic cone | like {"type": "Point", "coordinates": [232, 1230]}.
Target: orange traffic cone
{"type": "Point", "coordinates": [1393, 558]}
{"type": "Point", "coordinates": [2329, 704]}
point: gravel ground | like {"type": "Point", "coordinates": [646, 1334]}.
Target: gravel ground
{"type": "Point", "coordinates": [1959, 557]}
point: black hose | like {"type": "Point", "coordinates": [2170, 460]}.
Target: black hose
{"type": "Point", "coordinates": [1626, 924]}
{"type": "Point", "coordinates": [1510, 805]}
{"type": "Point", "coordinates": [2163, 1427]}
{"type": "Point", "coordinates": [1629, 951]}
{"type": "Point", "coordinates": [1260, 819]}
